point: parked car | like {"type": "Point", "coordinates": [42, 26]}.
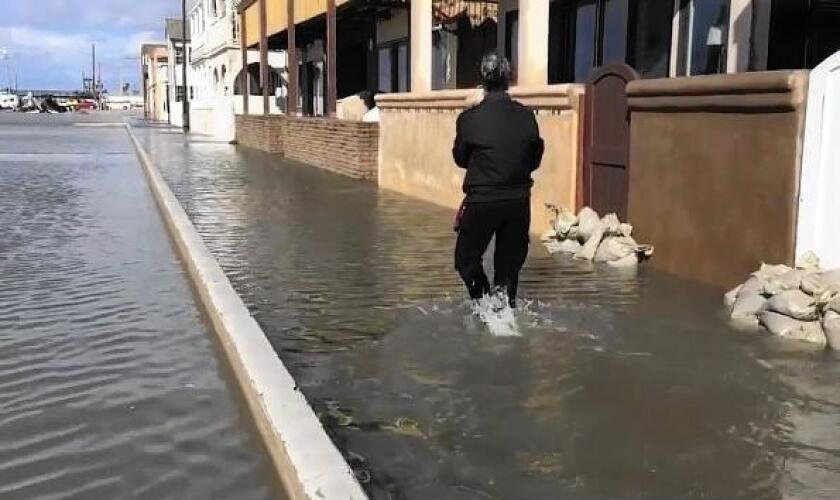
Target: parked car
{"type": "Point", "coordinates": [9, 101]}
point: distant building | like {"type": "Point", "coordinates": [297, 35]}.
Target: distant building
{"type": "Point", "coordinates": [155, 65]}
{"type": "Point", "coordinates": [216, 62]}
{"type": "Point", "coordinates": [178, 48]}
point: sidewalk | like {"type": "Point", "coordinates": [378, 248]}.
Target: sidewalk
{"type": "Point", "coordinates": [621, 386]}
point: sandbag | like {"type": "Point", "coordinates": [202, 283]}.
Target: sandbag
{"type": "Point", "coordinates": [790, 280]}
{"type": "Point", "coordinates": [564, 246]}
{"type": "Point", "coordinates": [548, 236]}
{"type": "Point", "coordinates": [783, 326]}
{"type": "Point", "coordinates": [808, 261]}
{"type": "Point", "coordinates": [831, 326]}
{"type": "Point", "coordinates": [611, 224]}
{"type": "Point", "coordinates": [795, 304]}
{"type": "Point", "coordinates": [768, 271]}
{"type": "Point", "coordinates": [625, 229]}
{"type": "Point", "coordinates": [587, 252]}
{"type": "Point", "coordinates": [731, 296]}
{"type": "Point", "coordinates": [615, 248]}
{"type": "Point", "coordinates": [749, 302]}
{"type": "Point", "coordinates": [821, 284]}
{"type": "Point", "coordinates": [588, 223]}
{"type": "Point", "coordinates": [566, 220]}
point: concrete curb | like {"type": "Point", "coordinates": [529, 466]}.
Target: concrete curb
{"type": "Point", "coordinates": [308, 463]}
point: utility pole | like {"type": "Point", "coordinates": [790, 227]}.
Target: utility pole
{"type": "Point", "coordinates": [186, 103]}
{"type": "Point", "coordinates": [93, 68]}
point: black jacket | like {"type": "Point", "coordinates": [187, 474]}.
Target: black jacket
{"type": "Point", "coordinates": [499, 144]}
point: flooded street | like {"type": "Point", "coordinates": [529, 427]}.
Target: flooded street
{"type": "Point", "coordinates": [110, 387]}
{"type": "Point", "coordinates": [622, 385]}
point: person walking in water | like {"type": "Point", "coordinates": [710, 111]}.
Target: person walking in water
{"type": "Point", "coordinates": [499, 144]}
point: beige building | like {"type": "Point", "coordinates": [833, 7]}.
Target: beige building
{"type": "Point", "coordinates": [155, 71]}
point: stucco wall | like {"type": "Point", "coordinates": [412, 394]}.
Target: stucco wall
{"type": "Point", "coordinates": [418, 130]}
{"type": "Point", "coordinates": [714, 171]}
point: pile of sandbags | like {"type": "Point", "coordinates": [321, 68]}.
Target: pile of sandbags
{"type": "Point", "coordinates": [801, 303]}
{"type": "Point", "coordinates": [590, 237]}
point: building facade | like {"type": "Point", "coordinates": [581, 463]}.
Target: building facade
{"type": "Point", "coordinates": [155, 77]}
{"type": "Point", "coordinates": [178, 48]}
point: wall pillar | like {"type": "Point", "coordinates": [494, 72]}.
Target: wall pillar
{"type": "Point", "coordinates": [264, 58]}
{"type": "Point", "coordinates": [292, 62]}
{"type": "Point", "coordinates": [740, 34]}
{"type": "Point", "coordinates": [421, 45]}
{"type": "Point", "coordinates": [246, 80]}
{"type": "Point", "coordinates": [331, 63]}
{"type": "Point", "coordinates": [533, 43]}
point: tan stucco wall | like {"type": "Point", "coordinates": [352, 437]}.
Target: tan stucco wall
{"type": "Point", "coordinates": [714, 172]}
{"type": "Point", "coordinates": [415, 148]}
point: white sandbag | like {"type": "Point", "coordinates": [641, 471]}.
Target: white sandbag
{"type": "Point", "coordinates": [768, 271]}
{"type": "Point", "coordinates": [783, 326]}
{"type": "Point", "coordinates": [731, 296]}
{"type": "Point", "coordinates": [790, 280]}
{"type": "Point", "coordinates": [631, 260]}
{"type": "Point", "coordinates": [820, 284]}
{"type": "Point", "coordinates": [794, 303]}
{"type": "Point", "coordinates": [588, 223]}
{"type": "Point", "coordinates": [566, 220]}
{"type": "Point", "coordinates": [625, 229]}
{"type": "Point", "coordinates": [808, 261]}
{"type": "Point", "coordinates": [833, 305]}
{"type": "Point", "coordinates": [611, 224]}
{"type": "Point", "coordinates": [753, 284]}
{"type": "Point", "coordinates": [615, 248]}
{"type": "Point", "coordinates": [564, 246]}
{"type": "Point", "coordinates": [748, 303]}
{"type": "Point", "coordinates": [831, 327]}
{"type": "Point", "coordinates": [587, 252]}
{"type": "Point", "coordinates": [548, 236]}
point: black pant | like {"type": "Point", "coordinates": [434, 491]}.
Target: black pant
{"type": "Point", "coordinates": [509, 221]}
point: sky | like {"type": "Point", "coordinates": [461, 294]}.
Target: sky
{"type": "Point", "coordinates": [48, 42]}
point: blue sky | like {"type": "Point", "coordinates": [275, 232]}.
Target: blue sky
{"type": "Point", "coordinates": [48, 41]}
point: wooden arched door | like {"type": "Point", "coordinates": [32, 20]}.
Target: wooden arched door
{"type": "Point", "coordinates": [607, 139]}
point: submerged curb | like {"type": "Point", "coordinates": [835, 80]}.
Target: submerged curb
{"type": "Point", "coordinates": [308, 463]}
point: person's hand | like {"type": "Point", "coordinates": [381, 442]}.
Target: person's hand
{"type": "Point", "coordinates": [475, 98]}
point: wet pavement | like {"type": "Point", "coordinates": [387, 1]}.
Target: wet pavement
{"type": "Point", "coordinates": [623, 385]}
{"type": "Point", "coordinates": [110, 387]}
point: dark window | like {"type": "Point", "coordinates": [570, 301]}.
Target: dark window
{"type": "Point", "coordinates": [179, 93]}
{"type": "Point", "coordinates": [650, 46]}
{"type": "Point", "coordinates": [179, 55]}
{"type": "Point", "coordinates": [512, 40]}
{"type": "Point", "coordinates": [616, 15]}
{"type": "Point", "coordinates": [803, 34]}
{"type": "Point", "coordinates": [585, 34]}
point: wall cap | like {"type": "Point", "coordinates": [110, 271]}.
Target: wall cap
{"type": "Point", "coordinates": [744, 92]}
{"type": "Point", "coordinates": [562, 96]}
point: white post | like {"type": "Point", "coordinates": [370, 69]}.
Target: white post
{"type": "Point", "coordinates": [533, 42]}
{"type": "Point", "coordinates": [740, 34]}
{"type": "Point", "coordinates": [421, 45]}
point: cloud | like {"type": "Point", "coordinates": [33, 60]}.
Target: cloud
{"type": "Point", "coordinates": [52, 59]}
{"type": "Point", "coordinates": [49, 40]}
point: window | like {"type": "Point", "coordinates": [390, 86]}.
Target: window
{"type": "Point", "coordinates": [650, 40]}
{"type": "Point", "coordinates": [586, 34]}
{"type": "Point", "coordinates": [179, 93]}
{"type": "Point", "coordinates": [512, 40]}
{"type": "Point", "coordinates": [179, 55]}
{"type": "Point", "coordinates": [704, 35]}
{"type": "Point", "coordinates": [392, 63]}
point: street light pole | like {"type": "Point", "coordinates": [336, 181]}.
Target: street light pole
{"type": "Point", "coordinates": [186, 103]}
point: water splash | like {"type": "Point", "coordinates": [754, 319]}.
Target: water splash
{"type": "Point", "coordinates": [494, 311]}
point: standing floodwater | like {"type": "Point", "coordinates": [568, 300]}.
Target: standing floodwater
{"type": "Point", "coordinates": [622, 386]}
{"type": "Point", "coordinates": [109, 383]}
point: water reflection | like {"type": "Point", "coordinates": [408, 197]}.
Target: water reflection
{"type": "Point", "coordinates": [109, 385]}
{"type": "Point", "coordinates": [623, 385]}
